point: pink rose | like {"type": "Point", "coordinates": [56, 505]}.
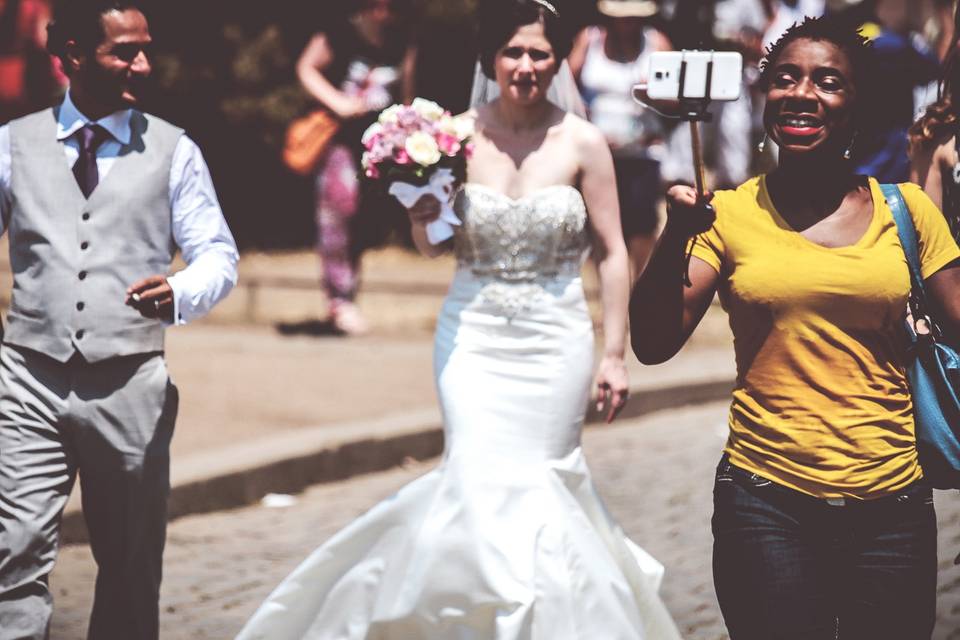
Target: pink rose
{"type": "Point", "coordinates": [373, 141]}
{"type": "Point", "coordinates": [400, 156]}
{"type": "Point", "coordinates": [448, 144]}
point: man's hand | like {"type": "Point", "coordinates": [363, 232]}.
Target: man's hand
{"type": "Point", "coordinates": [152, 297]}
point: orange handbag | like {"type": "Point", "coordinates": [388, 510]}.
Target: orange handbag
{"type": "Point", "coordinates": [307, 138]}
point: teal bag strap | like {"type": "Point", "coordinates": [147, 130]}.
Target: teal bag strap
{"type": "Point", "coordinates": [908, 238]}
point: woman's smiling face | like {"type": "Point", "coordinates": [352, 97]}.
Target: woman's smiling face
{"type": "Point", "coordinates": [810, 98]}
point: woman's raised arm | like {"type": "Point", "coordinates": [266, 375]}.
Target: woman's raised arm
{"type": "Point", "coordinates": [663, 311]}
{"type": "Point", "coordinates": [316, 57]}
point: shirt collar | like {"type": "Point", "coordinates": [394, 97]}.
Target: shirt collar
{"type": "Point", "coordinates": [70, 120]}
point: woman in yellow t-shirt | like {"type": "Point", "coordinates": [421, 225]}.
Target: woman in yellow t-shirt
{"type": "Point", "coordinates": [822, 521]}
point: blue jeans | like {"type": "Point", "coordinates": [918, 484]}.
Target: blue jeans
{"type": "Point", "coordinates": [788, 566]}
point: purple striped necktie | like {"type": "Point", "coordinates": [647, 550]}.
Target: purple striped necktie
{"type": "Point", "coordinates": [85, 170]}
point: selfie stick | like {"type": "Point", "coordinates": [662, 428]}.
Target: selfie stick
{"type": "Point", "coordinates": [694, 111]}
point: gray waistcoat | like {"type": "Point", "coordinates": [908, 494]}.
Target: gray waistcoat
{"type": "Point", "coordinates": [74, 258]}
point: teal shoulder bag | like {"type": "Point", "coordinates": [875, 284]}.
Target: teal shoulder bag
{"type": "Point", "coordinates": [933, 369]}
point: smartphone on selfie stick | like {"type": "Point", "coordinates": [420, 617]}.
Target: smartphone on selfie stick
{"type": "Point", "coordinates": [692, 80]}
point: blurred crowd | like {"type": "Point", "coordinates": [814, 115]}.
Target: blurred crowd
{"type": "Point", "coordinates": [370, 53]}
{"type": "Point", "coordinates": [911, 36]}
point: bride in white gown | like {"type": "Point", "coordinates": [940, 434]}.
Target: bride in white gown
{"type": "Point", "coordinates": [507, 539]}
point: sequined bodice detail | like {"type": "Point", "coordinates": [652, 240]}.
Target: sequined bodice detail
{"type": "Point", "coordinates": [539, 236]}
{"type": "Point", "coordinates": [520, 246]}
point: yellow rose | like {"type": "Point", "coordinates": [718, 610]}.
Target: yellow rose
{"type": "Point", "coordinates": [427, 109]}
{"type": "Point", "coordinates": [447, 126]}
{"type": "Point", "coordinates": [423, 149]}
{"type": "Point", "coordinates": [389, 115]}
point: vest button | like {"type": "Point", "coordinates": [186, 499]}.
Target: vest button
{"type": "Point", "coordinates": [80, 306]}
{"type": "Point", "coordinates": [82, 275]}
{"type": "Point", "coordinates": [84, 246]}
{"type": "Point", "coordinates": [85, 216]}
{"type": "Point", "coordinates": [80, 334]}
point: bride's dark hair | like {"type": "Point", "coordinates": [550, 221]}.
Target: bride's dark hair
{"type": "Point", "coordinates": [500, 19]}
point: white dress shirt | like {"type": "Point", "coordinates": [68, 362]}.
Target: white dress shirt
{"type": "Point", "coordinates": [199, 228]}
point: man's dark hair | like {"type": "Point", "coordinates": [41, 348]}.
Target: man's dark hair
{"type": "Point", "coordinates": [500, 19]}
{"type": "Point", "coordinates": [81, 20]}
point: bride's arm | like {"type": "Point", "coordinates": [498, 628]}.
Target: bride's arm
{"type": "Point", "coordinates": [599, 188]}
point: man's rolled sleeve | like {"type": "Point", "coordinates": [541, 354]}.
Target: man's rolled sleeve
{"type": "Point", "coordinates": [202, 234]}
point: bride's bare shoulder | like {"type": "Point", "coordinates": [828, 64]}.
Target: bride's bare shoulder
{"type": "Point", "coordinates": [584, 133]}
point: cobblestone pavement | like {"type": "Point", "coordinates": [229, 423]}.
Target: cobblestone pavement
{"type": "Point", "coordinates": [654, 472]}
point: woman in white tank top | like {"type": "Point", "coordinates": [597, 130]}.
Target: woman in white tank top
{"type": "Point", "coordinates": [608, 59]}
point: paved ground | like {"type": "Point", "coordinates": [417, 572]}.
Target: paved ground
{"type": "Point", "coordinates": [654, 472]}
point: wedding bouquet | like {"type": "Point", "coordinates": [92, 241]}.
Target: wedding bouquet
{"type": "Point", "coordinates": [420, 149]}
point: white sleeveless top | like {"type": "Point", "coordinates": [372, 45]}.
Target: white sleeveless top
{"type": "Point", "coordinates": [630, 128]}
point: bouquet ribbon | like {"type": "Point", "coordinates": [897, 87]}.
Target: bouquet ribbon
{"type": "Point", "coordinates": [441, 187]}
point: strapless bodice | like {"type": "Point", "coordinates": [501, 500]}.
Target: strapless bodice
{"type": "Point", "coordinates": [539, 236]}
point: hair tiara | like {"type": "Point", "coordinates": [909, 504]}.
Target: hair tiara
{"type": "Point", "coordinates": [549, 7]}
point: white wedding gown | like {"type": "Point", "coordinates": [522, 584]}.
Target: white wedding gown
{"type": "Point", "coordinates": [507, 539]}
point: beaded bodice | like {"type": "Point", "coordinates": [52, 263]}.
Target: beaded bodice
{"type": "Point", "coordinates": [539, 236]}
{"type": "Point", "coordinates": [520, 246]}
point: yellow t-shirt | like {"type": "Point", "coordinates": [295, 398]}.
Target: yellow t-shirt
{"type": "Point", "coordinates": [821, 403]}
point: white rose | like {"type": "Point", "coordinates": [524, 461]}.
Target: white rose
{"type": "Point", "coordinates": [372, 130]}
{"type": "Point", "coordinates": [389, 115]}
{"type": "Point", "coordinates": [447, 126]}
{"type": "Point", "coordinates": [423, 149]}
{"type": "Point", "coordinates": [427, 109]}
{"type": "Point", "coordinates": [464, 127]}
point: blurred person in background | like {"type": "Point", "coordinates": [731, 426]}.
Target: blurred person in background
{"type": "Point", "coordinates": [907, 63]}
{"type": "Point", "coordinates": [355, 68]}
{"type": "Point", "coordinates": [935, 164]}
{"type": "Point", "coordinates": [935, 20]}
{"type": "Point", "coordinates": [607, 60]}
{"type": "Point", "coordinates": [940, 29]}
{"type": "Point", "coordinates": [29, 77]}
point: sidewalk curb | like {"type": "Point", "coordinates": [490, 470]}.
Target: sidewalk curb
{"type": "Point", "coordinates": [291, 461]}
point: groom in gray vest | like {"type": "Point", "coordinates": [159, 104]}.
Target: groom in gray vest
{"type": "Point", "coordinates": [96, 196]}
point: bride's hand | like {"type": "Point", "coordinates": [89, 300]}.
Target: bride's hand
{"type": "Point", "coordinates": [612, 386]}
{"type": "Point", "coordinates": [425, 210]}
